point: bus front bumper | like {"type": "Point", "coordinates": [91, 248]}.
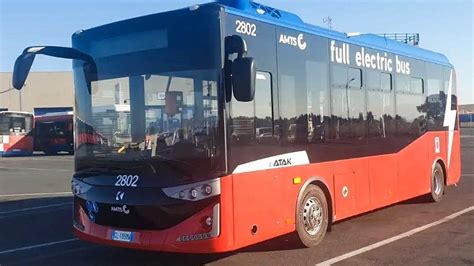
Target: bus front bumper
{"type": "Point", "coordinates": [193, 235]}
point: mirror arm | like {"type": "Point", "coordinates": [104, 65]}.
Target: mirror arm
{"type": "Point", "coordinates": [59, 52]}
{"type": "Point", "coordinates": [25, 61]}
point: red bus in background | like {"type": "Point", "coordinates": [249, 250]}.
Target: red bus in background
{"type": "Point", "coordinates": [16, 133]}
{"type": "Point", "coordinates": [54, 133]}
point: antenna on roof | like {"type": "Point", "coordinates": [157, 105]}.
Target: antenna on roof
{"type": "Point", "coordinates": [328, 21]}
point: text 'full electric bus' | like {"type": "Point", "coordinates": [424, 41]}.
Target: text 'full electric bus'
{"type": "Point", "coordinates": [16, 133]}
{"type": "Point", "coordinates": [226, 124]}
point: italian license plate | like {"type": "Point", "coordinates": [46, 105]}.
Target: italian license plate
{"type": "Point", "coordinates": [122, 236]}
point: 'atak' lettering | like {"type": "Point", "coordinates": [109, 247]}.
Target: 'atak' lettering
{"type": "Point", "coordinates": [282, 162]}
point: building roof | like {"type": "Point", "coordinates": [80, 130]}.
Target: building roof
{"type": "Point", "coordinates": [466, 109]}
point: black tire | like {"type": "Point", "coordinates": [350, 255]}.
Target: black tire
{"type": "Point", "coordinates": [437, 183]}
{"type": "Point", "coordinates": [312, 231]}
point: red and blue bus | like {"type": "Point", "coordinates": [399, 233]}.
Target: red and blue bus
{"type": "Point", "coordinates": [16, 133]}
{"type": "Point", "coordinates": [231, 123]}
{"type": "Point", "coordinates": [54, 133]}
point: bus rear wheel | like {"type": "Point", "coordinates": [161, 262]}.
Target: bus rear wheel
{"type": "Point", "coordinates": [437, 183]}
{"type": "Point", "coordinates": [312, 216]}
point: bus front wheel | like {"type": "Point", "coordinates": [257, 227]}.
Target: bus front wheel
{"type": "Point", "coordinates": [437, 183]}
{"type": "Point", "coordinates": [312, 216]}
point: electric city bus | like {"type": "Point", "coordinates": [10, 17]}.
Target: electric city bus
{"type": "Point", "coordinates": [16, 134]}
{"type": "Point", "coordinates": [231, 123]}
{"type": "Point", "coordinates": [54, 133]}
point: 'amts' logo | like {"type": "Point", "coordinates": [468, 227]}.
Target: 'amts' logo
{"type": "Point", "coordinates": [294, 41]}
{"type": "Point", "coordinates": [119, 209]}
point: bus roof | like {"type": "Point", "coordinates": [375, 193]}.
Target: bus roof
{"type": "Point", "coordinates": [266, 14]}
{"type": "Point", "coordinates": [262, 13]}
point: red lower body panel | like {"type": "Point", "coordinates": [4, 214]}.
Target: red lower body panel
{"type": "Point", "coordinates": [258, 206]}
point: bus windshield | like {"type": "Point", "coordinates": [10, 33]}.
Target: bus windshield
{"type": "Point", "coordinates": [155, 103]}
{"type": "Point", "coordinates": [15, 123]}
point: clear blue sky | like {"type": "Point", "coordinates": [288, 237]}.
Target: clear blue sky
{"type": "Point", "coordinates": [445, 26]}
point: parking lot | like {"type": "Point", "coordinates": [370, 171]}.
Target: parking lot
{"type": "Point", "coordinates": [35, 227]}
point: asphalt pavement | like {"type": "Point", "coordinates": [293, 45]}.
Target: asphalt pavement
{"type": "Point", "coordinates": [35, 227]}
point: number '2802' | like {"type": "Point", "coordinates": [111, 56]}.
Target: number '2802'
{"type": "Point", "coordinates": [246, 28]}
{"type": "Point", "coordinates": [127, 181]}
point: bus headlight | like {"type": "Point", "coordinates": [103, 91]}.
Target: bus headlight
{"type": "Point", "coordinates": [79, 187]}
{"type": "Point", "coordinates": [207, 189]}
{"type": "Point", "coordinates": [195, 191]}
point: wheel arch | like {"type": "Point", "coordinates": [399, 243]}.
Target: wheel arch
{"type": "Point", "coordinates": [320, 182]}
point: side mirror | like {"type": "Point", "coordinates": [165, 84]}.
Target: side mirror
{"type": "Point", "coordinates": [244, 75]}
{"type": "Point", "coordinates": [21, 69]}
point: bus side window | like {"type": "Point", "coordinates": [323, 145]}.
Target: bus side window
{"type": "Point", "coordinates": [264, 129]}
{"type": "Point", "coordinates": [318, 101]}
{"type": "Point", "coordinates": [348, 104]}
{"type": "Point", "coordinates": [380, 106]}
{"type": "Point", "coordinates": [253, 121]}
{"type": "Point", "coordinates": [436, 97]}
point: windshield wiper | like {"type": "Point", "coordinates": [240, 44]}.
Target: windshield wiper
{"type": "Point", "coordinates": [108, 167]}
{"type": "Point", "coordinates": [98, 171]}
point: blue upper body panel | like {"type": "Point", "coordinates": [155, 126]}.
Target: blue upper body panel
{"type": "Point", "coordinates": [291, 21]}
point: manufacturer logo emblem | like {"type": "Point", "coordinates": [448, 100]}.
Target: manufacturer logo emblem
{"type": "Point", "coordinates": [119, 195]}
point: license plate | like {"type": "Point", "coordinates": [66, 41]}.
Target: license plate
{"type": "Point", "coordinates": [122, 236]}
